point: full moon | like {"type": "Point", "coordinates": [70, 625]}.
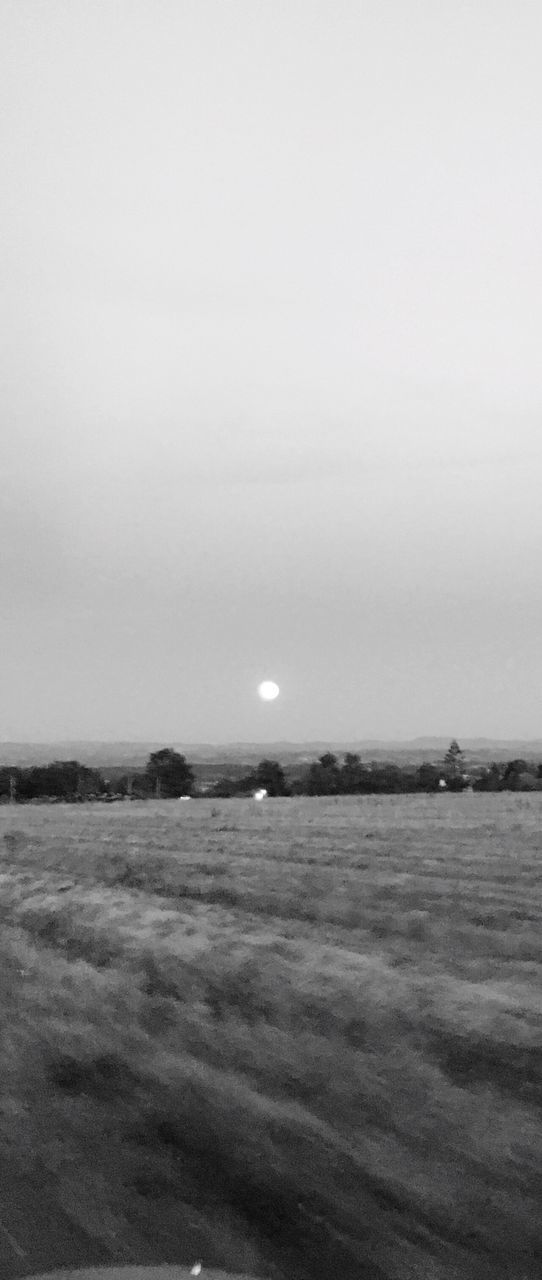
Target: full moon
{"type": "Point", "coordinates": [268, 690]}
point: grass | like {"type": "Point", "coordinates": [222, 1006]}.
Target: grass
{"type": "Point", "coordinates": [301, 1038]}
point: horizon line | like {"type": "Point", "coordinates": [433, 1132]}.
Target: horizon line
{"type": "Point", "coordinates": [258, 742]}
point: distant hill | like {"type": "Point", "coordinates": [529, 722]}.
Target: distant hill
{"type": "Point", "coordinates": [134, 755]}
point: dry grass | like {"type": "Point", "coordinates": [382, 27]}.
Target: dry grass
{"type": "Point", "coordinates": [299, 1038]}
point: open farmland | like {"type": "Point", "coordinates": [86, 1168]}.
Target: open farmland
{"type": "Point", "coordinates": [301, 1038]}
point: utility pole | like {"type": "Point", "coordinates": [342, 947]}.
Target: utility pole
{"type": "Point", "coordinates": [12, 790]}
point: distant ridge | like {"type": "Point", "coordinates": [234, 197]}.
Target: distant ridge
{"type": "Point", "coordinates": [399, 744]}
{"type": "Point", "coordinates": [134, 754]}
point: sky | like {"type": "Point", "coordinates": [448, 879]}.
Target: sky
{"type": "Point", "coordinates": [270, 374]}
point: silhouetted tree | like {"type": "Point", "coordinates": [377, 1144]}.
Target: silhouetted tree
{"type": "Point", "coordinates": [169, 773]}
{"type": "Point", "coordinates": [270, 774]}
{"type": "Point", "coordinates": [512, 774]}
{"type": "Point", "coordinates": [351, 779]}
{"type": "Point", "coordinates": [453, 761]}
{"type": "Point", "coordinates": [489, 780]}
{"type": "Point", "coordinates": [428, 777]}
{"type": "Point", "coordinates": [324, 776]}
{"type": "Point", "coordinates": [62, 780]}
{"type": "Point", "coordinates": [9, 781]}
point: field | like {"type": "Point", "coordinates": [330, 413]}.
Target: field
{"type": "Point", "coordinates": [295, 1039]}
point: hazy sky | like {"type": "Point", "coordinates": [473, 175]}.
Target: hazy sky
{"type": "Point", "coordinates": [271, 318]}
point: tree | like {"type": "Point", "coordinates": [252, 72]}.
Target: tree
{"type": "Point", "coordinates": [520, 775]}
{"type": "Point", "coordinates": [510, 778]}
{"type": "Point", "coordinates": [490, 779]}
{"type": "Point", "coordinates": [169, 773]}
{"type": "Point", "coordinates": [63, 780]}
{"type": "Point", "coordinates": [8, 782]}
{"type": "Point", "coordinates": [453, 761]}
{"type": "Point", "coordinates": [388, 779]}
{"type": "Point", "coordinates": [351, 774]}
{"type": "Point", "coordinates": [246, 785]}
{"type": "Point", "coordinates": [324, 776]}
{"type": "Point", "coordinates": [428, 777]}
{"type": "Point", "coordinates": [270, 774]}
{"type": "Point", "coordinates": [454, 767]}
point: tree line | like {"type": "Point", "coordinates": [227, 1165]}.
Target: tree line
{"type": "Point", "coordinates": [168, 775]}
{"type": "Point", "coordinates": [329, 776]}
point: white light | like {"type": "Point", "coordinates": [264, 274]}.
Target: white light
{"type": "Point", "coordinates": [268, 690]}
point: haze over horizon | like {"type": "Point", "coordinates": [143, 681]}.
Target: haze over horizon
{"type": "Point", "coordinates": [272, 297]}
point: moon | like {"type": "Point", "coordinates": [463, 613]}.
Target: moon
{"type": "Point", "coordinates": [268, 690]}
